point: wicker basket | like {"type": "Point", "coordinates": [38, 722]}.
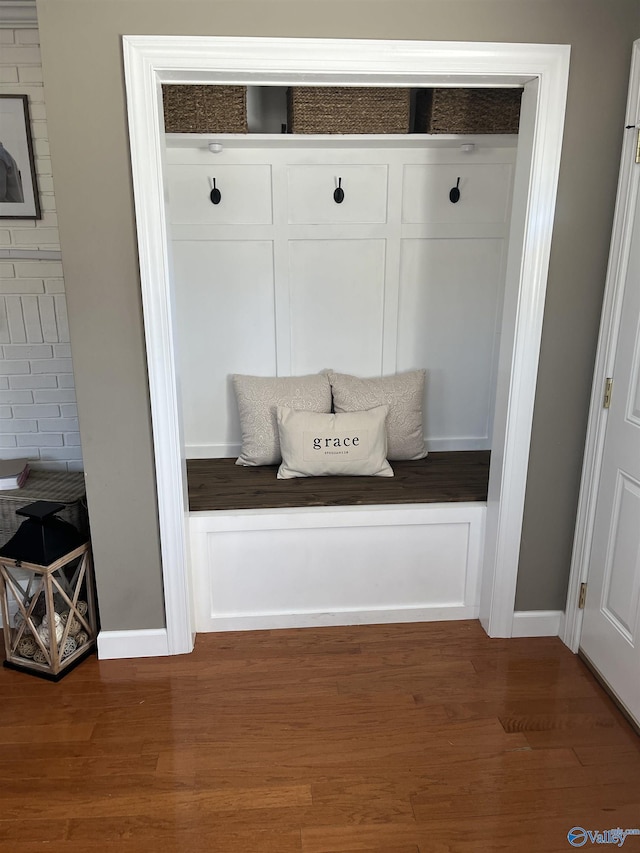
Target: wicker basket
{"type": "Point", "coordinates": [468, 110]}
{"type": "Point", "coordinates": [205, 109]}
{"type": "Point", "coordinates": [347, 109]}
{"type": "Point", "coordinates": [59, 486]}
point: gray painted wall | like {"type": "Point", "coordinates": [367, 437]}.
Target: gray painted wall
{"type": "Point", "coordinates": [84, 88]}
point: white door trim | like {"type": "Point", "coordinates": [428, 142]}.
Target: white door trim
{"type": "Point", "coordinates": [542, 69]}
{"type": "Point", "coordinates": [628, 186]}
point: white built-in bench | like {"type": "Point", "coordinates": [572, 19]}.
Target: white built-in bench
{"type": "Point", "coordinates": [268, 553]}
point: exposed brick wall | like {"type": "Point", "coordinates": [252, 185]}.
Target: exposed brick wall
{"type": "Point", "coordinates": [38, 416]}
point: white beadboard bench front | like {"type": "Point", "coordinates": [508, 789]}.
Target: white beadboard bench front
{"type": "Point", "coordinates": [301, 566]}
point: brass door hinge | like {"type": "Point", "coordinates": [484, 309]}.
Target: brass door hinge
{"type": "Point", "coordinates": [583, 596]}
{"type": "Point", "coordinates": [608, 386]}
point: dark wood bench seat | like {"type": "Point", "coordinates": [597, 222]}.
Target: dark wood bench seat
{"type": "Point", "coordinates": [442, 477]}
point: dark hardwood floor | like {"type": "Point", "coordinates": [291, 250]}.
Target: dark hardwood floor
{"type": "Point", "coordinates": [425, 738]}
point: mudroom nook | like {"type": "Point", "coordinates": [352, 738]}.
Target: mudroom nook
{"type": "Point", "coordinates": [371, 255]}
{"type": "Point", "coordinates": [375, 254]}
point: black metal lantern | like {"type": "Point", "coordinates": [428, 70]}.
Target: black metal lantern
{"type": "Point", "coordinates": [48, 594]}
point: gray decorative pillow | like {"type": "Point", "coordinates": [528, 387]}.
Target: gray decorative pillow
{"type": "Point", "coordinates": [317, 445]}
{"type": "Point", "coordinates": [403, 393]}
{"type": "Point", "coordinates": [258, 397]}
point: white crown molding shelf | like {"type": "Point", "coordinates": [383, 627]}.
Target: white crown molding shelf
{"type": "Point", "coordinates": [342, 141]}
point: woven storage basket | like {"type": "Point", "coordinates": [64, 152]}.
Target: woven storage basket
{"type": "Point", "coordinates": [347, 109]}
{"type": "Point", "coordinates": [205, 109]}
{"type": "Point", "coordinates": [468, 110]}
{"type": "Point", "coordinates": [59, 486]}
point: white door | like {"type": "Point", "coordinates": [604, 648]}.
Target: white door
{"type": "Point", "coordinates": [610, 637]}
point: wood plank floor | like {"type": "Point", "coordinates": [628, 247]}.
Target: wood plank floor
{"type": "Point", "coordinates": [425, 738]}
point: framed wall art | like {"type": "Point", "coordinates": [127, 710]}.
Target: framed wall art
{"type": "Point", "coordinates": [18, 183]}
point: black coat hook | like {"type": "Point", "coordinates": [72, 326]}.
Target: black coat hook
{"type": "Point", "coordinates": [216, 195]}
{"type": "Point", "coordinates": [338, 195]}
{"type": "Point", "coordinates": [454, 195]}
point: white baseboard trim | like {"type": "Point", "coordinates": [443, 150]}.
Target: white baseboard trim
{"type": "Point", "coordinates": [212, 451]}
{"type": "Point", "coordinates": [270, 621]}
{"type": "Point", "coordinates": [537, 623]}
{"type": "Point", "coordinates": [145, 643]}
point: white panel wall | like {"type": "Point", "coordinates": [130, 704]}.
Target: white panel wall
{"type": "Point", "coordinates": [448, 321]}
{"type": "Point", "coordinates": [337, 298]}
{"type": "Point", "coordinates": [311, 191]}
{"type": "Point", "coordinates": [279, 279]}
{"type": "Point", "coordinates": [38, 415]}
{"type": "Point", "coordinates": [484, 193]}
{"type": "Point", "coordinates": [225, 305]}
{"type": "Point", "coordinates": [245, 195]}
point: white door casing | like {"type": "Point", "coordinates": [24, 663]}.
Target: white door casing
{"type": "Point", "coordinates": [619, 256]}
{"type": "Point", "coordinates": [610, 630]}
{"type": "Point", "coordinates": [541, 69]}
{"type": "Point", "coordinates": [610, 636]}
